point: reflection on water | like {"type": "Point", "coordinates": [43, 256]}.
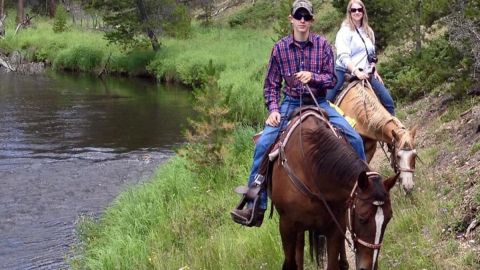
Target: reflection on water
{"type": "Point", "coordinates": [68, 146]}
{"type": "Point", "coordinates": [62, 116]}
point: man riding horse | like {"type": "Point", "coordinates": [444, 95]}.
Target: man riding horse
{"type": "Point", "coordinates": [304, 61]}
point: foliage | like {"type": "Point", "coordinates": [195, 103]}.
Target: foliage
{"type": "Point", "coordinates": [395, 21]}
{"type": "Point", "coordinates": [133, 63]}
{"type": "Point", "coordinates": [79, 58]}
{"type": "Point", "coordinates": [413, 75]}
{"type": "Point", "coordinates": [463, 28]}
{"type": "Point", "coordinates": [210, 131]}
{"type": "Point", "coordinates": [178, 23]}
{"type": "Point", "coordinates": [327, 21]}
{"type": "Point", "coordinates": [260, 14]}
{"type": "Point", "coordinates": [239, 55]}
{"type": "Point", "coordinates": [126, 20]}
{"type": "Point", "coordinates": [207, 7]}
{"type": "Point", "coordinates": [60, 20]}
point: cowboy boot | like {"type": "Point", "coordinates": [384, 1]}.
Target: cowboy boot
{"type": "Point", "coordinates": [252, 215]}
{"type": "Point", "coordinates": [248, 216]}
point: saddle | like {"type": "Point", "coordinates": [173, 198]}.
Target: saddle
{"type": "Point", "coordinates": [263, 177]}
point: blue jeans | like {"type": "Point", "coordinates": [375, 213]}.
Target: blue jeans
{"type": "Point", "coordinates": [380, 90]}
{"type": "Point", "coordinates": [270, 133]}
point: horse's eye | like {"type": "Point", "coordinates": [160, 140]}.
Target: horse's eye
{"type": "Point", "coordinates": [363, 220]}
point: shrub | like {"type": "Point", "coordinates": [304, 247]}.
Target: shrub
{"type": "Point", "coordinates": [60, 20]}
{"type": "Point", "coordinates": [413, 75]}
{"type": "Point", "coordinates": [210, 133]}
{"type": "Point", "coordinates": [260, 14]}
{"type": "Point", "coordinates": [79, 58]}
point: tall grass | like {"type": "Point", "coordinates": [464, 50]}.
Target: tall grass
{"type": "Point", "coordinates": [241, 56]}
{"type": "Point", "coordinates": [179, 220]}
{"type": "Point", "coordinates": [75, 49]}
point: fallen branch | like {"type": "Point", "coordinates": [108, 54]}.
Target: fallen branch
{"type": "Point", "coordinates": [105, 66]}
{"type": "Point", "coordinates": [6, 65]}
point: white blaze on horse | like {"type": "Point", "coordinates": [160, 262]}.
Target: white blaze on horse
{"type": "Point", "coordinates": [374, 123]}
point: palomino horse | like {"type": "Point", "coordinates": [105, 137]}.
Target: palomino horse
{"type": "Point", "coordinates": [374, 123]}
{"type": "Point", "coordinates": [318, 179]}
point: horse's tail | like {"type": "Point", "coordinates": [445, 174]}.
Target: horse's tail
{"type": "Point", "coordinates": [317, 243]}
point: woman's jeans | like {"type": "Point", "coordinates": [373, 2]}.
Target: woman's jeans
{"type": "Point", "coordinates": [270, 134]}
{"type": "Point", "coordinates": [382, 93]}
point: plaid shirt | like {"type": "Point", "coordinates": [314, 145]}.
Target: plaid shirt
{"type": "Point", "coordinates": [288, 58]}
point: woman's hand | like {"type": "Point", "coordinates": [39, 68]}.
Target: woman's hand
{"type": "Point", "coordinates": [273, 119]}
{"type": "Point", "coordinates": [361, 75]}
{"type": "Point", "coordinates": [304, 76]}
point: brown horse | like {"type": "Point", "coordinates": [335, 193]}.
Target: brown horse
{"type": "Point", "coordinates": [374, 123]}
{"type": "Point", "coordinates": [317, 178]}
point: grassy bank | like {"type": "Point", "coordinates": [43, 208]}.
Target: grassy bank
{"type": "Point", "coordinates": [180, 220]}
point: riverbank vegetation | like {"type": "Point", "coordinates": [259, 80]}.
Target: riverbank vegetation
{"type": "Point", "coordinates": [180, 219]}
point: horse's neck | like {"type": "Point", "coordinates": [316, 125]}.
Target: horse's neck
{"type": "Point", "coordinates": [373, 120]}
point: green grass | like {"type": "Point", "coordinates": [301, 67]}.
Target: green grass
{"type": "Point", "coordinates": [180, 220]}
{"type": "Point", "coordinates": [241, 57]}
{"type": "Point", "coordinates": [75, 49]}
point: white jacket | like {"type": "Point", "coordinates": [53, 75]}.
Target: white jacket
{"type": "Point", "coordinates": [350, 48]}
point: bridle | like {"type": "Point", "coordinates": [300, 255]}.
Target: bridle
{"type": "Point", "coordinates": [394, 160]}
{"type": "Point", "coordinates": [350, 213]}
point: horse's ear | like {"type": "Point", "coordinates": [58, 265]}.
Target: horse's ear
{"type": "Point", "coordinates": [363, 180]}
{"type": "Point", "coordinates": [390, 182]}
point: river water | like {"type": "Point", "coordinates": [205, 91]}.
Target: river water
{"type": "Point", "coordinates": [69, 144]}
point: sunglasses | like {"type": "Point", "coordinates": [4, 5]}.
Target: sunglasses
{"type": "Point", "coordinates": [353, 10]}
{"type": "Point", "coordinates": [305, 15]}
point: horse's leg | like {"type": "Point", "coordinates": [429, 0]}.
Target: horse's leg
{"type": "Point", "coordinates": [370, 148]}
{"type": "Point", "coordinates": [343, 258]}
{"type": "Point", "coordinates": [299, 249]}
{"type": "Point", "coordinates": [334, 242]}
{"type": "Point", "coordinates": [289, 241]}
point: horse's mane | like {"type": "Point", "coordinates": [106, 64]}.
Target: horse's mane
{"type": "Point", "coordinates": [368, 106]}
{"type": "Point", "coordinates": [332, 157]}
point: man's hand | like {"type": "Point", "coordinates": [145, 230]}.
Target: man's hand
{"type": "Point", "coordinates": [273, 119]}
{"type": "Point", "coordinates": [304, 76]}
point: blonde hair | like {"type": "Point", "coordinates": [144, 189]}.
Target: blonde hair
{"type": "Point", "coordinates": [349, 22]}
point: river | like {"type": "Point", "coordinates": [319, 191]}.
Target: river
{"type": "Point", "coordinates": [69, 144]}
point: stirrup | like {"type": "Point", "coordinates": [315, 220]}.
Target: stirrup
{"type": "Point", "coordinates": [256, 217]}
{"type": "Point", "coordinates": [250, 194]}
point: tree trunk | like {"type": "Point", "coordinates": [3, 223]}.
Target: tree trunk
{"type": "Point", "coordinates": [20, 11]}
{"type": "Point", "coordinates": [148, 29]}
{"type": "Point", "coordinates": [2, 4]}
{"type": "Point", "coordinates": [418, 30]}
{"type": "Point", "coordinates": [51, 8]}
